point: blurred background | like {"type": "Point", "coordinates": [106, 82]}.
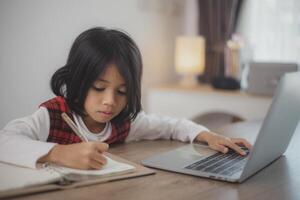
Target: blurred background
{"type": "Point", "coordinates": [36, 36]}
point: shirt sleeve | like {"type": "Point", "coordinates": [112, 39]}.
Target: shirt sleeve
{"type": "Point", "coordinates": [23, 141]}
{"type": "Point", "coordinates": [151, 127]}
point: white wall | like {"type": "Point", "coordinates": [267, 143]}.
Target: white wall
{"type": "Point", "coordinates": [35, 37]}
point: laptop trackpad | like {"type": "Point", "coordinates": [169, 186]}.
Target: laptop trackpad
{"type": "Point", "coordinates": [179, 158]}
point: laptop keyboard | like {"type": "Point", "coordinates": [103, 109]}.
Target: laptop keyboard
{"type": "Point", "coordinates": [219, 163]}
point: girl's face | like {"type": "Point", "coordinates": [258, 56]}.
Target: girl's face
{"type": "Point", "coordinates": [105, 99]}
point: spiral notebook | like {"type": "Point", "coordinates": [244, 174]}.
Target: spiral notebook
{"type": "Point", "coordinates": [16, 180]}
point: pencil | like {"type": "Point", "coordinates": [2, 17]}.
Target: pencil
{"type": "Point", "coordinates": [72, 125]}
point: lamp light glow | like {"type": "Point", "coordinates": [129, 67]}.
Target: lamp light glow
{"type": "Point", "coordinates": [190, 57]}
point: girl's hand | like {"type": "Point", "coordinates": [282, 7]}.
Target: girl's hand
{"type": "Point", "coordinates": [222, 143]}
{"type": "Point", "coordinates": [84, 155]}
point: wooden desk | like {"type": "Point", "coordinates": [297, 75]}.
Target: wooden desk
{"type": "Point", "coordinates": [278, 181]}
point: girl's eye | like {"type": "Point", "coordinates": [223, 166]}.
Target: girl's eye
{"type": "Point", "coordinates": [120, 92]}
{"type": "Point", "coordinates": [101, 89]}
{"type": "Point", "coordinates": [98, 88]}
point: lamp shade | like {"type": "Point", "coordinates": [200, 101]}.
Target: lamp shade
{"type": "Point", "coordinates": [190, 54]}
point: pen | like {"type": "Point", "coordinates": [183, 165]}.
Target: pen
{"type": "Point", "coordinates": [72, 125]}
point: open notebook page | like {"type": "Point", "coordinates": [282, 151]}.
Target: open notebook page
{"type": "Point", "coordinates": [111, 168]}
{"type": "Point", "coordinates": [13, 177]}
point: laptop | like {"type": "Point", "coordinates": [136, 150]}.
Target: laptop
{"type": "Point", "coordinates": [271, 142]}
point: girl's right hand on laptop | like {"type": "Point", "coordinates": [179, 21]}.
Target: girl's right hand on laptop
{"type": "Point", "coordinates": [223, 144]}
{"type": "Point", "coordinates": [84, 155]}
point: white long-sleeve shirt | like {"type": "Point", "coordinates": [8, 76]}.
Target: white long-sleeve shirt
{"type": "Point", "coordinates": [23, 141]}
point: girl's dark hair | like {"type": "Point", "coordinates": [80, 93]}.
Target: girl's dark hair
{"type": "Point", "coordinates": [92, 51]}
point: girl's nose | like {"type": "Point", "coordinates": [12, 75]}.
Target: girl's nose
{"type": "Point", "coordinates": [109, 98]}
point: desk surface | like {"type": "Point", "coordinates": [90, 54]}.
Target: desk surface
{"type": "Point", "coordinates": [278, 181]}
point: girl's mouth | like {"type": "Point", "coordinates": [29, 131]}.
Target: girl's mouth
{"type": "Point", "coordinates": [107, 113]}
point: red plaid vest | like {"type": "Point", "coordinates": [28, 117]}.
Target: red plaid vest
{"type": "Point", "coordinates": [61, 133]}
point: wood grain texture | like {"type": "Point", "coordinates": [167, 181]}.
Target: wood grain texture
{"type": "Point", "coordinates": [280, 180]}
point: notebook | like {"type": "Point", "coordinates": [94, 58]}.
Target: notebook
{"type": "Point", "coordinates": [16, 180]}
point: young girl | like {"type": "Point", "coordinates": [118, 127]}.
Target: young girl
{"type": "Point", "coordinates": [99, 88]}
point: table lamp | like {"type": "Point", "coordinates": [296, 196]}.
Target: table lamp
{"type": "Point", "coordinates": [189, 58]}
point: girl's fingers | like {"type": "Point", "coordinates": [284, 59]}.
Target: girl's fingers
{"type": "Point", "coordinates": [98, 157]}
{"type": "Point", "coordinates": [95, 164]}
{"type": "Point", "coordinates": [233, 146]}
{"type": "Point", "coordinates": [220, 148]}
{"type": "Point", "coordinates": [222, 143]}
{"type": "Point", "coordinates": [242, 141]}
{"type": "Point", "coordinates": [102, 147]}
